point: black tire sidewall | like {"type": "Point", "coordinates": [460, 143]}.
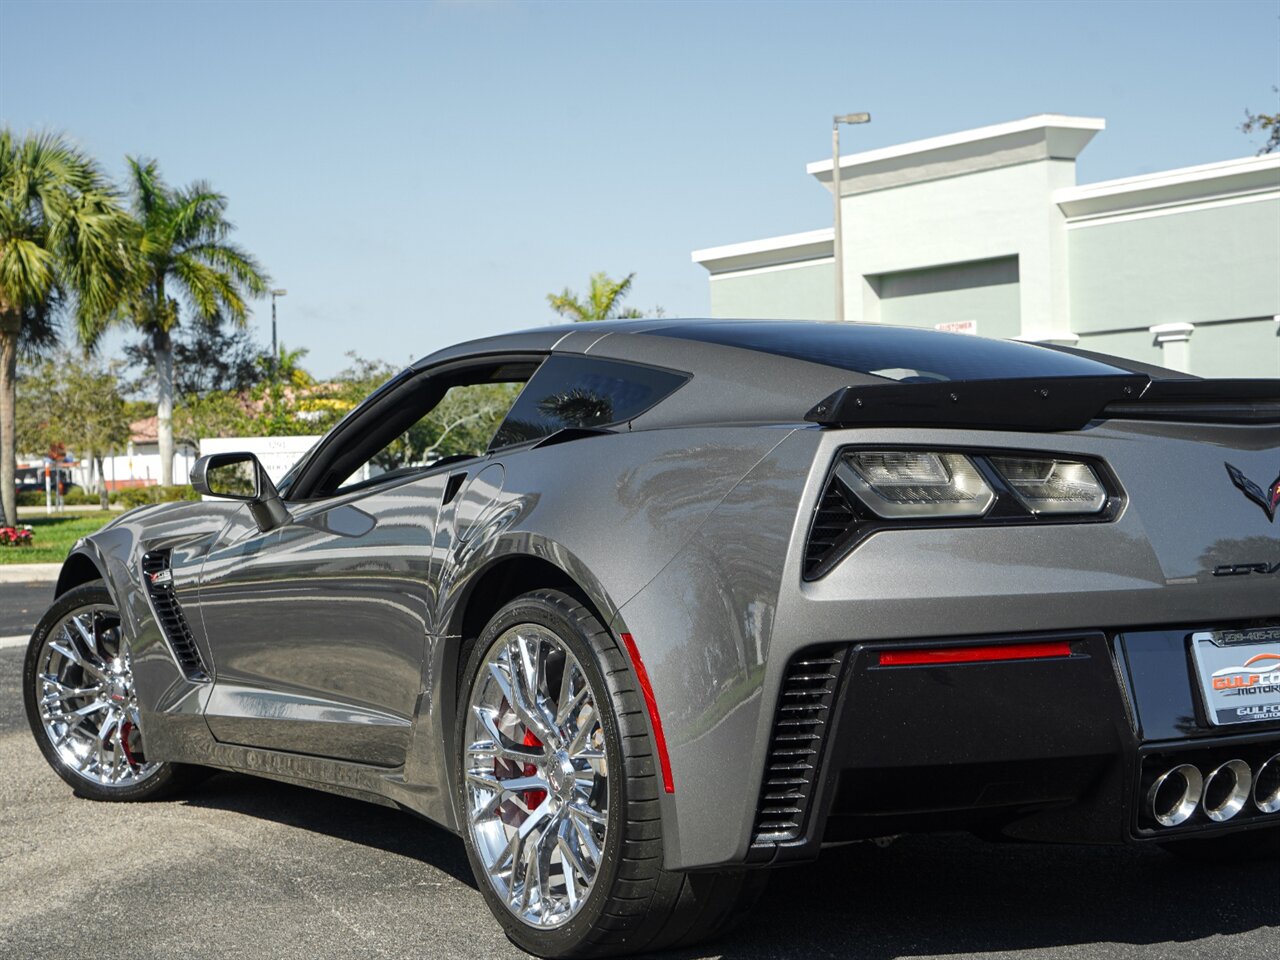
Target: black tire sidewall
{"type": "Point", "coordinates": [544, 609]}
{"type": "Point", "coordinates": [94, 592]}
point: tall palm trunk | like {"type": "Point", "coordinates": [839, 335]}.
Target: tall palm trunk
{"type": "Point", "coordinates": [9, 327]}
{"type": "Point", "coordinates": [163, 346]}
{"type": "Point", "coordinates": [104, 496]}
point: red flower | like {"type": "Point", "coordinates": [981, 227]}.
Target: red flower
{"type": "Point", "coordinates": [13, 537]}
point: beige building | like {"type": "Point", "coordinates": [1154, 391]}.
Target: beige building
{"type": "Point", "coordinates": [987, 231]}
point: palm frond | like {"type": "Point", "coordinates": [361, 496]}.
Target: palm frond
{"type": "Point", "coordinates": [567, 305]}
{"type": "Point", "coordinates": [603, 300]}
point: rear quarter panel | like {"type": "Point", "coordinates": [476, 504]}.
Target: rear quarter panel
{"type": "Point", "coordinates": [610, 511]}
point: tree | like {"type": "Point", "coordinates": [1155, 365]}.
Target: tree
{"type": "Point", "coordinates": [206, 358]}
{"type": "Point", "coordinates": [73, 402]}
{"type": "Point", "coordinates": [285, 397]}
{"type": "Point", "coordinates": [1268, 123]}
{"type": "Point", "coordinates": [182, 245]}
{"type": "Point", "coordinates": [603, 301]}
{"type": "Point", "coordinates": [220, 413]}
{"type": "Point", "coordinates": [63, 245]}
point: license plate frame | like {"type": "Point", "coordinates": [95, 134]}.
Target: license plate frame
{"type": "Point", "coordinates": [1238, 672]}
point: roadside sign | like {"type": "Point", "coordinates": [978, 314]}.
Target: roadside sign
{"type": "Point", "coordinates": [958, 326]}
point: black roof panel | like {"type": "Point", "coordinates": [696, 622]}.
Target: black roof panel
{"type": "Point", "coordinates": [897, 353]}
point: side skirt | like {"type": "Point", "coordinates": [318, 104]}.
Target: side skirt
{"type": "Point", "coordinates": [186, 740]}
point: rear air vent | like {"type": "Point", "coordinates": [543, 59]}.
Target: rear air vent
{"type": "Point", "coordinates": [831, 525]}
{"type": "Point", "coordinates": [795, 749]}
{"type": "Point", "coordinates": [158, 579]}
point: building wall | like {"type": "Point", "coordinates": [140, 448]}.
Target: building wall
{"type": "Point", "coordinates": [1241, 348]}
{"type": "Point", "coordinates": [1137, 345]}
{"type": "Point", "coordinates": [1221, 263]}
{"type": "Point", "coordinates": [804, 292]}
{"type": "Point", "coordinates": [985, 292]}
{"type": "Point", "coordinates": [987, 215]}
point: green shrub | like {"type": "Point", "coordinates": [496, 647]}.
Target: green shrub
{"type": "Point", "coordinates": [74, 496]}
{"type": "Point", "coordinates": [130, 497]}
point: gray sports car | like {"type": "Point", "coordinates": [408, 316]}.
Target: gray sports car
{"type": "Point", "coordinates": [714, 595]}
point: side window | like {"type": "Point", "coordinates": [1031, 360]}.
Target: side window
{"type": "Point", "coordinates": [418, 421]}
{"type": "Point", "coordinates": [459, 427]}
{"type": "Point", "coordinates": [569, 392]}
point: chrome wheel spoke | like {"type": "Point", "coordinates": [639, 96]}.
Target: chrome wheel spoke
{"type": "Point", "coordinates": [582, 735]}
{"type": "Point", "coordinates": [65, 691]}
{"type": "Point", "coordinates": [70, 652]}
{"type": "Point", "coordinates": [88, 637]}
{"type": "Point", "coordinates": [507, 678]}
{"type": "Point", "coordinates": [536, 776]}
{"type": "Point", "coordinates": [498, 745]}
{"type": "Point", "coordinates": [86, 700]}
{"type": "Point", "coordinates": [587, 840]}
{"type": "Point", "coordinates": [587, 813]}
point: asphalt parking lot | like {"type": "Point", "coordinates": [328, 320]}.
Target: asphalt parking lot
{"type": "Point", "coordinates": [247, 868]}
{"type": "Point", "coordinates": [21, 605]}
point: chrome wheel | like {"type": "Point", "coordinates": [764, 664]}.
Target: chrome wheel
{"type": "Point", "coordinates": [537, 776]}
{"type": "Point", "coordinates": [86, 702]}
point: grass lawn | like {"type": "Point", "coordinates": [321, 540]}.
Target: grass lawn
{"type": "Point", "coordinates": [54, 536]}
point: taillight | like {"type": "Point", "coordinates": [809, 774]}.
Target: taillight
{"type": "Point", "coordinates": [1051, 485]}
{"type": "Point", "coordinates": [902, 484]}
{"type": "Point", "coordinates": [873, 490]}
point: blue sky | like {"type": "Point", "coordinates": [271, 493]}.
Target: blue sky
{"type": "Point", "coordinates": [420, 173]}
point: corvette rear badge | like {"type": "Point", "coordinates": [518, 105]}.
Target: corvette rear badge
{"type": "Point", "coordinates": [1268, 500]}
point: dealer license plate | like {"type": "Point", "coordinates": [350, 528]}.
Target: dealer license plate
{"type": "Point", "coordinates": [1239, 674]}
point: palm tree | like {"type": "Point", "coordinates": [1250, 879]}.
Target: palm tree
{"type": "Point", "coordinates": [604, 302]}
{"type": "Point", "coordinates": [182, 246]}
{"type": "Point", "coordinates": [63, 242]}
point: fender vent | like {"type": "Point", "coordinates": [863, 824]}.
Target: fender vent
{"type": "Point", "coordinates": [158, 579]}
{"type": "Point", "coordinates": [831, 523]}
{"type": "Point", "coordinates": [795, 749]}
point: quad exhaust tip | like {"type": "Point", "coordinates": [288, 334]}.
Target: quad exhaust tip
{"type": "Point", "coordinates": [1180, 791]}
{"type": "Point", "coordinates": [1226, 790]}
{"type": "Point", "coordinates": [1175, 795]}
{"type": "Point", "coordinates": [1266, 786]}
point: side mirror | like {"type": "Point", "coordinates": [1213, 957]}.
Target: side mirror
{"type": "Point", "coordinates": [239, 476]}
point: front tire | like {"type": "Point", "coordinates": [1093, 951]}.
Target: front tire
{"type": "Point", "coordinates": [77, 684]}
{"type": "Point", "coordinates": [559, 792]}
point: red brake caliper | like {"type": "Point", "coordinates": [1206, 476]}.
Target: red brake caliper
{"type": "Point", "coordinates": [126, 731]}
{"type": "Point", "coordinates": [532, 797]}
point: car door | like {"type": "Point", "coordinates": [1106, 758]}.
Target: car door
{"type": "Point", "coordinates": [317, 628]}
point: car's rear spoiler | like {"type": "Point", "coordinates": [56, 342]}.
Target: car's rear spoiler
{"type": "Point", "coordinates": [1049, 403]}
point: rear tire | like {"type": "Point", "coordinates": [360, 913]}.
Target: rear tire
{"type": "Point", "coordinates": [631, 903]}
{"type": "Point", "coordinates": [77, 685]}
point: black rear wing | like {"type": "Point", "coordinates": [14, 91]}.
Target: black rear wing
{"type": "Point", "coordinates": [1049, 403]}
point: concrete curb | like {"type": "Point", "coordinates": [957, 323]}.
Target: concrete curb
{"type": "Point", "coordinates": [29, 572]}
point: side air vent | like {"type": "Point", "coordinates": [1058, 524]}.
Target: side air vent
{"type": "Point", "coordinates": [831, 523]}
{"type": "Point", "coordinates": [158, 579]}
{"type": "Point", "coordinates": [795, 749]}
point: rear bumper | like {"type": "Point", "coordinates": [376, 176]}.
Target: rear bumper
{"type": "Point", "coordinates": [1057, 749]}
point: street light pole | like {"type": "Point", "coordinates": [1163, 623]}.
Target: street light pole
{"type": "Point", "coordinates": [275, 350]}
{"type": "Point", "coordinates": [850, 118]}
